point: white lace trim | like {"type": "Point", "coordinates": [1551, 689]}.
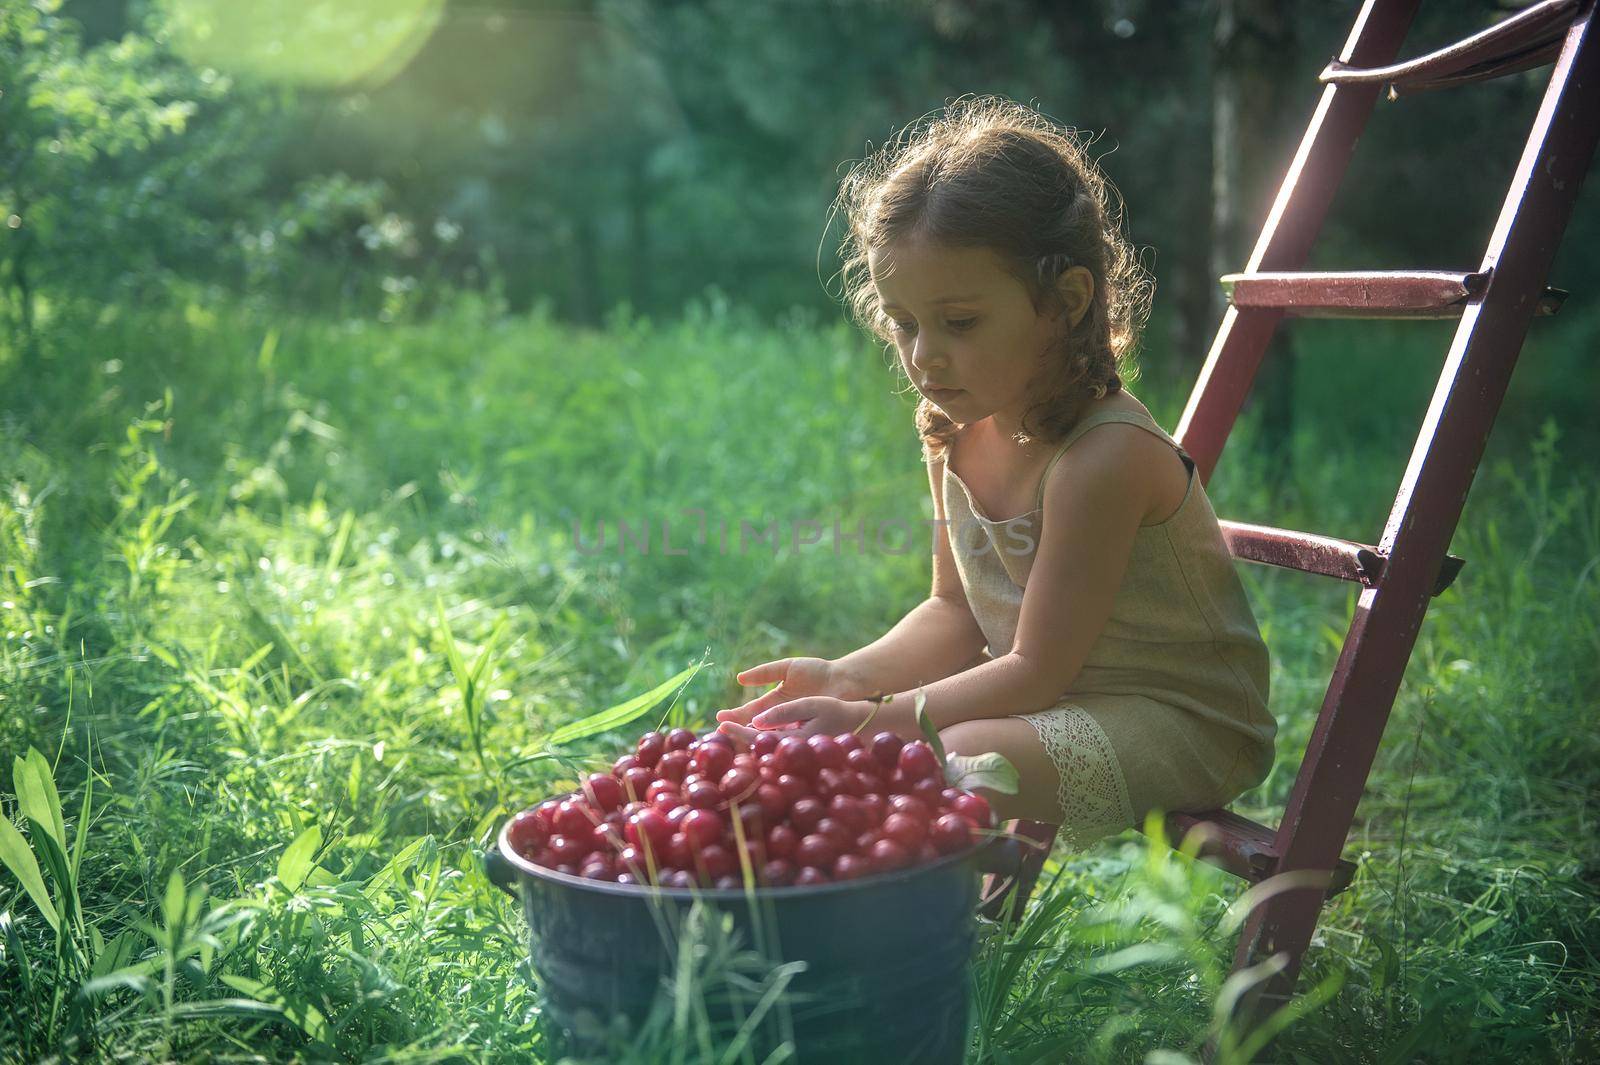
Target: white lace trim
{"type": "Point", "coordinates": [1093, 794]}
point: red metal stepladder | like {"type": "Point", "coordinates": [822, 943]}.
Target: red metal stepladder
{"type": "Point", "coordinates": [1409, 564]}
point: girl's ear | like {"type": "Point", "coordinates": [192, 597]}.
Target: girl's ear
{"type": "Point", "coordinates": [1075, 287]}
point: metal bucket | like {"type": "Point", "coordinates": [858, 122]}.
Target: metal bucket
{"type": "Point", "coordinates": [885, 957]}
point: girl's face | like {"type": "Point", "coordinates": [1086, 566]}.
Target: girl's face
{"type": "Point", "coordinates": [967, 333]}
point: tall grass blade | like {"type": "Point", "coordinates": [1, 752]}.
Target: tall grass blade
{"type": "Point", "coordinates": [624, 712]}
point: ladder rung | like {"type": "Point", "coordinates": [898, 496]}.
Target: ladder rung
{"type": "Point", "coordinates": [1530, 38]}
{"type": "Point", "coordinates": [1368, 293]}
{"type": "Point", "coordinates": [1313, 553]}
{"type": "Point", "coordinates": [1243, 847]}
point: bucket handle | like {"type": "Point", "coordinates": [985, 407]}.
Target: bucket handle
{"type": "Point", "coordinates": [501, 873]}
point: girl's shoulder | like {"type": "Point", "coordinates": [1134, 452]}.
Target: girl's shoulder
{"type": "Point", "coordinates": [1129, 448]}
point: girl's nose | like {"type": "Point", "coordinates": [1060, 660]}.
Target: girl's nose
{"type": "Point", "coordinates": [924, 355]}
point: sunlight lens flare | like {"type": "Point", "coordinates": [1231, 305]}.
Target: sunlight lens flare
{"type": "Point", "coordinates": [313, 43]}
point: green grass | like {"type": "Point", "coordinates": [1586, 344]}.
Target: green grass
{"type": "Point", "coordinates": [291, 610]}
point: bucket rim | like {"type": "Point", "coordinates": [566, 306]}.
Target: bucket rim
{"type": "Point", "coordinates": [649, 891]}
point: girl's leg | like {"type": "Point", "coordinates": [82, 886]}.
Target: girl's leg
{"type": "Point", "coordinates": [1018, 741]}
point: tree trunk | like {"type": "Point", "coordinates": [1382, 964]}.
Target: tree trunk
{"type": "Point", "coordinates": [1251, 148]}
{"type": "Point", "coordinates": [638, 250]}
{"type": "Point", "coordinates": [586, 284]}
{"type": "Point", "coordinates": [1195, 314]}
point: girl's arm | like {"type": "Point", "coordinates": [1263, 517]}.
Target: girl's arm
{"type": "Point", "coordinates": [938, 638]}
{"type": "Point", "coordinates": [1093, 507]}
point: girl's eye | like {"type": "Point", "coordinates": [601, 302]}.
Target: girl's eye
{"type": "Point", "coordinates": [959, 325]}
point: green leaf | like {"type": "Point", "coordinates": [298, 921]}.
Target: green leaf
{"type": "Point", "coordinates": [175, 907]}
{"type": "Point", "coordinates": [113, 955]}
{"type": "Point", "coordinates": [1138, 954]}
{"type": "Point", "coordinates": [397, 865]}
{"type": "Point", "coordinates": [122, 978]}
{"type": "Point", "coordinates": [307, 1016]}
{"type": "Point", "coordinates": [622, 713]}
{"type": "Point", "coordinates": [452, 653]}
{"type": "Point", "coordinates": [37, 797]}
{"type": "Point", "coordinates": [931, 733]}
{"type": "Point", "coordinates": [992, 771]}
{"type": "Point", "coordinates": [295, 861]}
{"type": "Point", "coordinates": [19, 859]}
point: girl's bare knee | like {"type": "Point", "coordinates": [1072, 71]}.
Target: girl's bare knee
{"type": "Point", "coordinates": [964, 737]}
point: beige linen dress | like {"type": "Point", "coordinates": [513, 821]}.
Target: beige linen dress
{"type": "Point", "coordinates": [1170, 710]}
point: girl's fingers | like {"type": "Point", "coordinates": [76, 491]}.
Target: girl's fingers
{"type": "Point", "coordinates": [739, 732]}
{"type": "Point", "coordinates": [761, 702]}
{"type": "Point", "coordinates": [768, 699]}
{"type": "Point", "coordinates": [785, 713]}
{"type": "Point", "coordinates": [765, 673]}
{"type": "Point", "coordinates": [738, 715]}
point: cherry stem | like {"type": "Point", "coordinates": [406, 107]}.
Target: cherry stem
{"type": "Point", "coordinates": [1002, 833]}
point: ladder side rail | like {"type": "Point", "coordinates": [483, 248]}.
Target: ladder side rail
{"type": "Point", "coordinates": [1322, 804]}
{"type": "Point", "coordinates": [1292, 225]}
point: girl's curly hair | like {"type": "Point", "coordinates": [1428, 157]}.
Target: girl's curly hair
{"type": "Point", "coordinates": [988, 172]}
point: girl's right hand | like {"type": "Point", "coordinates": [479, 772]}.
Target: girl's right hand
{"type": "Point", "coordinates": [795, 677]}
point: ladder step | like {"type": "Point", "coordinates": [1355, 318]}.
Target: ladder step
{"type": "Point", "coordinates": [1243, 847]}
{"type": "Point", "coordinates": [1530, 38]}
{"type": "Point", "coordinates": [1368, 293]}
{"type": "Point", "coordinates": [1313, 553]}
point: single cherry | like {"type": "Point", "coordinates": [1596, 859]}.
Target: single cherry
{"type": "Point", "coordinates": [703, 827]}
{"type": "Point", "coordinates": [850, 867]}
{"type": "Point", "coordinates": [711, 759]}
{"type": "Point", "coordinates": [918, 760]}
{"type": "Point", "coordinates": [974, 808]}
{"type": "Point", "coordinates": [805, 814]}
{"type": "Point", "coordinates": [603, 791]}
{"type": "Point", "coordinates": [778, 872]}
{"type": "Point", "coordinates": [718, 861]}
{"type": "Point", "coordinates": [568, 850]}
{"type": "Point", "coordinates": [817, 850]}
{"type": "Point", "coordinates": [829, 754]}
{"type": "Point", "coordinates": [636, 782]}
{"type": "Point", "coordinates": [796, 757]}
{"type": "Point", "coordinates": [886, 749]}
{"type": "Point", "coordinates": [650, 748]}
{"type": "Point", "coordinates": [905, 830]}
{"type": "Point", "coordinates": [526, 835]}
{"type": "Point", "coordinates": [649, 828]}
{"type": "Point", "coordinates": [674, 766]}
{"type": "Point", "coordinates": [889, 855]}
{"type": "Point", "coordinates": [738, 784]}
{"type": "Point", "coordinates": [796, 788]}
{"type": "Point", "coordinates": [951, 833]}
{"type": "Point", "coordinates": [572, 818]}
{"type": "Point", "coordinates": [782, 841]}
{"type": "Point", "coordinates": [773, 802]}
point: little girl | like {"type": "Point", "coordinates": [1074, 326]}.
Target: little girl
{"type": "Point", "coordinates": [1085, 619]}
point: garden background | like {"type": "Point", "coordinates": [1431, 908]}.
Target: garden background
{"type": "Point", "coordinates": [328, 325]}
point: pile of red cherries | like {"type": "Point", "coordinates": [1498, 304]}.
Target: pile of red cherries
{"type": "Point", "coordinates": [683, 812]}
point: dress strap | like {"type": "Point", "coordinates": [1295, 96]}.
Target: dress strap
{"type": "Point", "coordinates": [1101, 417]}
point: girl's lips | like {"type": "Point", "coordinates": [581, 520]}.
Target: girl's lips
{"type": "Point", "coordinates": [937, 394]}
